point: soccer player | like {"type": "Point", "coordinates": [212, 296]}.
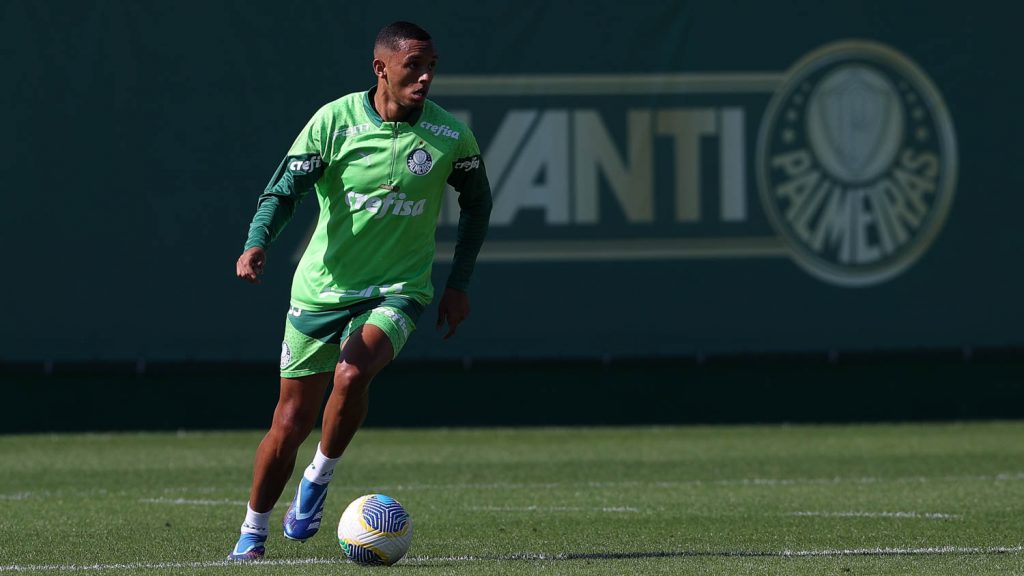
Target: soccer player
{"type": "Point", "coordinates": [379, 161]}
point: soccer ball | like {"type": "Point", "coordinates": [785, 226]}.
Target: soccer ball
{"type": "Point", "coordinates": [375, 530]}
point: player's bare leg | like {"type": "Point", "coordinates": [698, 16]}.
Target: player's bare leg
{"type": "Point", "coordinates": [294, 418]}
{"type": "Point", "coordinates": [363, 354]}
{"type": "Point", "coordinates": [297, 409]}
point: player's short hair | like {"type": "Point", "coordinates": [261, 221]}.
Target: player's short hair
{"type": "Point", "coordinates": [391, 35]}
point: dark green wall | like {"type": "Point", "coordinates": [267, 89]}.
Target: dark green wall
{"type": "Point", "coordinates": [137, 136]}
{"type": "Point", "coordinates": [713, 390]}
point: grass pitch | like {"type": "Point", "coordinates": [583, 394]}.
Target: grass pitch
{"type": "Point", "coordinates": [901, 499]}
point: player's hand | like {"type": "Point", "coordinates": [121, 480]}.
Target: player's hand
{"type": "Point", "coordinates": [454, 308]}
{"type": "Point", "coordinates": [250, 265]}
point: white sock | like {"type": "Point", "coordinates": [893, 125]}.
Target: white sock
{"type": "Point", "coordinates": [255, 522]}
{"type": "Point", "coordinates": [322, 469]}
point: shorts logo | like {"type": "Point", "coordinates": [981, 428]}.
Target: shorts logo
{"type": "Point", "coordinates": [286, 355]}
{"type": "Point", "coordinates": [419, 162]}
{"type": "Point", "coordinates": [397, 318]}
{"type": "Point", "coordinates": [856, 162]}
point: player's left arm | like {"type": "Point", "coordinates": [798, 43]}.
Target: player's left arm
{"type": "Point", "coordinates": [469, 178]}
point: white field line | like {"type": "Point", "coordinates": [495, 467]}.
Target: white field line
{"type": "Point", "coordinates": [766, 482]}
{"type": "Point", "coordinates": [606, 509]}
{"type": "Point", "coordinates": [197, 489]}
{"type": "Point", "coordinates": [134, 566]}
{"type": "Point", "coordinates": [192, 502]}
{"type": "Point", "coordinates": [925, 515]}
{"type": "Point", "coordinates": [933, 551]}
{"type": "Point", "coordinates": [826, 553]}
{"type": "Point", "coordinates": [610, 509]}
{"type": "Point", "coordinates": [615, 509]}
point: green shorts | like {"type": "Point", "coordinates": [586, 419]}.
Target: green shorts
{"type": "Point", "coordinates": [312, 339]}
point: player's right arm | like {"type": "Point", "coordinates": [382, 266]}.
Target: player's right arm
{"type": "Point", "coordinates": [292, 181]}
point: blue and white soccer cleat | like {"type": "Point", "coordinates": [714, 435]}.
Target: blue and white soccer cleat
{"type": "Point", "coordinates": [249, 547]}
{"type": "Point", "coordinates": [306, 511]}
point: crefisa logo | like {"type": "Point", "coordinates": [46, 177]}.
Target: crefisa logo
{"type": "Point", "coordinates": [856, 162]}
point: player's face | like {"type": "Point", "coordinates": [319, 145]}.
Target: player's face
{"type": "Point", "coordinates": [409, 71]}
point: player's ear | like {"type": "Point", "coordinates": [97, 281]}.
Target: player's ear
{"type": "Point", "coordinates": [379, 69]}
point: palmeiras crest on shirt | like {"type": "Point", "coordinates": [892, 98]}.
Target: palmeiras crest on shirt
{"type": "Point", "coordinates": [856, 161]}
{"type": "Point", "coordinates": [419, 162]}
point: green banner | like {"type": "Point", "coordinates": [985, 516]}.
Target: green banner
{"type": "Point", "coordinates": [670, 179]}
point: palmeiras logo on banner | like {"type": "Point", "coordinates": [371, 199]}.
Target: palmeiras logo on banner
{"type": "Point", "coordinates": [856, 162]}
{"type": "Point", "coordinates": [845, 164]}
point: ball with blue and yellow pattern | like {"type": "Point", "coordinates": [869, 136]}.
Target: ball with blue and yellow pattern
{"type": "Point", "coordinates": [375, 530]}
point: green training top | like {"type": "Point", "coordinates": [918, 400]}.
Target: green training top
{"type": "Point", "coordinates": [380, 187]}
